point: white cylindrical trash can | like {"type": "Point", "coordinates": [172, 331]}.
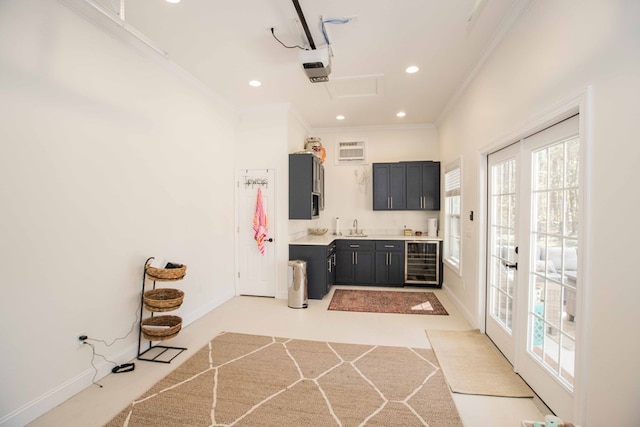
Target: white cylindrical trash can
{"type": "Point", "coordinates": [297, 283]}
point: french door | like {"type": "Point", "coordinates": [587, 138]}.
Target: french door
{"type": "Point", "coordinates": [503, 191]}
{"type": "Point", "coordinates": [533, 264]}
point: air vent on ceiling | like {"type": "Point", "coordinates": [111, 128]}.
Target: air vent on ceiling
{"type": "Point", "coordinates": [351, 152]}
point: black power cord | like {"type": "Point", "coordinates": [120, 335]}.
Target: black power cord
{"type": "Point", "coordinates": [288, 47]}
{"type": "Point", "coordinates": [125, 367]}
{"type": "Point", "coordinates": [117, 369]}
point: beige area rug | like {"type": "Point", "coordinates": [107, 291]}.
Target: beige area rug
{"type": "Point", "coordinates": [250, 380]}
{"type": "Point", "coordinates": [472, 364]}
{"type": "Point", "coordinates": [386, 302]}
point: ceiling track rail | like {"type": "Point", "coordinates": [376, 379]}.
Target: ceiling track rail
{"type": "Point", "coordinates": [303, 21]}
{"type": "Point", "coordinates": [87, 8]}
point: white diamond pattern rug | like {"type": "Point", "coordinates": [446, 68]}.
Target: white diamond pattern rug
{"type": "Point", "coordinates": [252, 380]}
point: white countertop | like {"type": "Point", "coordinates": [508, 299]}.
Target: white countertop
{"type": "Point", "coordinates": [327, 238]}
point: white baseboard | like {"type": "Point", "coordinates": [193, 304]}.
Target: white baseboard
{"type": "Point", "coordinates": [465, 312]}
{"type": "Point", "coordinates": [205, 309]}
{"type": "Point", "coordinates": [38, 407]}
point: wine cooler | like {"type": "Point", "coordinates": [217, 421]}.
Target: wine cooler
{"type": "Point", "coordinates": [422, 263]}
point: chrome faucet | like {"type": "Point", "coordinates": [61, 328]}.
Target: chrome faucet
{"type": "Point", "coordinates": [355, 225]}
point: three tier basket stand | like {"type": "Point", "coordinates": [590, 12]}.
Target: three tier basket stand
{"type": "Point", "coordinates": [155, 328]}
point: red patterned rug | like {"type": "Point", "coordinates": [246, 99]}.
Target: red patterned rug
{"type": "Point", "coordinates": [386, 302]}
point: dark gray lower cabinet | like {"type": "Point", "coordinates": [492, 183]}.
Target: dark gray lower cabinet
{"type": "Point", "coordinates": [389, 256]}
{"type": "Point", "coordinates": [321, 267]}
{"type": "Point", "coordinates": [367, 262]}
{"type": "Point", "coordinates": [355, 262]}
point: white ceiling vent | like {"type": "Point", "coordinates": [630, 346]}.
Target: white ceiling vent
{"type": "Point", "coordinates": [351, 152]}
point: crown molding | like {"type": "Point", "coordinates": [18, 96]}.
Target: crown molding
{"type": "Point", "coordinates": [374, 128]}
{"type": "Point", "coordinates": [516, 11]}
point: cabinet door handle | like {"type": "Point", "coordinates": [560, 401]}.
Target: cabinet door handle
{"type": "Point", "coordinates": [354, 246]}
{"type": "Point", "coordinates": [356, 254]}
{"type": "Point", "coordinates": [329, 265]}
{"type": "Point", "coordinates": [388, 202]}
{"type": "Point", "coordinates": [391, 198]}
{"type": "Point", "coordinates": [387, 258]}
{"type": "Point", "coordinates": [389, 246]}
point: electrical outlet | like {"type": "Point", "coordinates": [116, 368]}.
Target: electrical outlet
{"type": "Point", "coordinates": [80, 338]}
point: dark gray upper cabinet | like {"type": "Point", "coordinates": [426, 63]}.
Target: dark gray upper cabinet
{"type": "Point", "coordinates": [406, 186]}
{"type": "Point", "coordinates": [306, 186]}
{"type": "Point", "coordinates": [423, 186]}
{"type": "Point", "coordinates": [389, 186]}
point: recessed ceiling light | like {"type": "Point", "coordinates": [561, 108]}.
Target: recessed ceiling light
{"type": "Point", "coordinates": [412, 69]}
{"type": "Point", "coordinates": [401, 114]}
{"type": "Point", "coordinates": [173, 1]}
{"type": "Point", "coordinates": [340, 117]}
{"type": "Point", "coordinates": [255, 83]}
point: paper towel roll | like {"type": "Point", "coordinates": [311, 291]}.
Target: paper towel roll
{"type": "Point", "coordinates": [432, 227]}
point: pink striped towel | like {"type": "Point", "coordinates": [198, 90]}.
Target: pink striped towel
{"type": "Point", "coordinates": [260, 222]}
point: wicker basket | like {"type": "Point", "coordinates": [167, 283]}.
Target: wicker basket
{"type": "Point", "coordinates": [165, 274]}
{"type": "Point", "coordinates": [165, 299]}
{"type": "Point", "coordinates": [173, 325]}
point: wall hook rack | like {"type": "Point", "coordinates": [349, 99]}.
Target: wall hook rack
{"type": "Point", "coordinates": [255, 181]}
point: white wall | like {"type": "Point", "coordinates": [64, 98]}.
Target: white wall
{"type": "Point", "coordinates": [557, 50]}
{"type": "Point", "coordinates": [348, 200]}
{"type": "Point", "coordinates": [263, 141]}
{"type": "Point", "coordinates": [106, 159]}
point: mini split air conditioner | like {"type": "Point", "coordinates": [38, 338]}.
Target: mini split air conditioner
{"type": "Point", "coordinates": [316, 64]}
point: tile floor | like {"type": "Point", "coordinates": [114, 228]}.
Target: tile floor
{"type": "Point", "coordinates": [266, 316]}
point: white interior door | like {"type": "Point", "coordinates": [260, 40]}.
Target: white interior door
{"type": "Point", "coordinates": [256, 270]}
{"type": "Point", "coordinates": [502, 251]}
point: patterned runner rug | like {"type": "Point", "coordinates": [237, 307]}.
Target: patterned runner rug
{"type": "Point", "coordinates": [251, 380]}
{"type": "Point", "coordinates": [386, 302]}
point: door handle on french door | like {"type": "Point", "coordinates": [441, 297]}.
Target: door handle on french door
{"type": "Point", "coordinates": [514, 265]}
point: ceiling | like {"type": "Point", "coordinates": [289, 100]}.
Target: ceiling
{"type": "Point", "coordinates": [227, 44]}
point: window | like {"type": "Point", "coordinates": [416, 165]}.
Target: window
{"type": "Point", "coordinates": [452, 220]}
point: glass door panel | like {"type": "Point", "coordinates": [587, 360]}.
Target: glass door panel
{"type": "Point", "coordinates": [502, 250]}
{"type": "Point", "coordinates": [554, 237]}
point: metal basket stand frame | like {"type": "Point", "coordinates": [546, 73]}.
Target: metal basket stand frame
{"type": "Point", "coordinates": [163, 349]}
